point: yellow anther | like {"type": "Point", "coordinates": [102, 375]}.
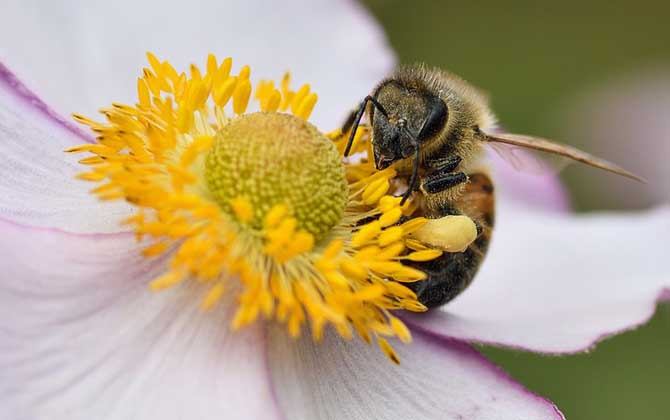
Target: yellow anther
{"type": "Point", "coordinates": [195, 72]}
{"type": "Point", "coordinates": [224, 91]}
{"type": "Point", "coordinates": [414, 224]}
{"type": "Point", "coordinates": [166, 280]}
{"type": "Point", "coordinates": [211, 65]}
{"type": "Point", "coordinates": [375, 191]}
{"type": "Point", "coordinates": [354, 270]}
{"type": "Point", "coordinates": [275, 215]}
{"type": "Point", "coordinates": [271, 102]}
{"type": "Point", "coordinates": [388, 203]}
{"type": "Point", "coordinates": [298, 97]}
{"type": "Point", "coordinates": [408, 274]}
{"type": "Point", "coordinates": [155, 249]}
{"type": "Point", "coordinates": [245, 72]}
{"type": "Point", "coordinates": [427, 255]}
{"type": "Point", "coordinates": [243, 209]}
{"type": "Point", "coordinates": [400, 330]}
{"type": "Point", "coordinates": [371, 292]}
{"type": "Point", "coordinates": [224, 69]}
{"type": "Point", "coordinates": [390, 217]}
{"type": "Point", "coordinates": [388, 350]}
{"type": "Point", "coordinates": [302, 242]}
{"type": "Point", "coordinates": [333, 249]}
{"type": "Point", "coordinates": [366, 234]}
{"type": "Point", "coordinates": [306, 106]}
{"type": "Point", "coordinates": [154, 63]}
{"type": "Point", "coordinates": [213, 296]}
{"type": "Point", "coordinates": [391, 251]}
{"type": "Point", "coordinates": [241, 96]}
{"type": "Point", "coordinates": [390, 235]}
{"type": "Point", "coordinates": [143, 95]}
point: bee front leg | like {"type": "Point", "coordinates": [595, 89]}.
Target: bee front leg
{"type": "Point", "coordinates": [444, 176]}
{"type": "Point", "coordinates": [442, 181]}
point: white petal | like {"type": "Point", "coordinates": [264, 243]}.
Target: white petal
{"type": "Point", "coordinates": [437, 379]}
{"type": "Point", "coordinates": [37, 179]}
{"type": "Point", "coordinates": [81, 337]}
{"type": "Point", "coordinates": [84, 55]}
{"type": "Point", "coordinates": [558, 283]}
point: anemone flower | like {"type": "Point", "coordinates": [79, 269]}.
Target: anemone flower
{"type": "Point", "coordinates": [84, 333]}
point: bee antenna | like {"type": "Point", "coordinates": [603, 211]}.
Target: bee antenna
{"type": "Point", "coordinates": [415, 167]}
{"type": "Point", "coordinates": [359, 116]}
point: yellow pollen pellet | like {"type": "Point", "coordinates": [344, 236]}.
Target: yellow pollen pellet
{"type": "Point", "coordinates": [243, 209]}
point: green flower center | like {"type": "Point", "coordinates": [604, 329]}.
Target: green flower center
{"type": "Point", "coordinates": [270, 159]}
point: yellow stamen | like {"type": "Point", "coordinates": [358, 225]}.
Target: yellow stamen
{"type": "Point", "coordinates": [262, 200]}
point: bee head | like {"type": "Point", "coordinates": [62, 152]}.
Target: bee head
{"type": "Point", "coordinates": [403, 119]}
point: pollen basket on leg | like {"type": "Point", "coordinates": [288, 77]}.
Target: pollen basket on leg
{"type": "Point", "coordinates": [258, 204]}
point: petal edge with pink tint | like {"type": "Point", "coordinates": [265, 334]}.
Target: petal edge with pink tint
{"type": "Point", "coordinates": [37, 178]}
{"type": "Point", "coordinates": [82, 337]}
{"type": "Point", "coordinates": [557, 283]}
{"type": "Point", "coordinates": [436, 379]}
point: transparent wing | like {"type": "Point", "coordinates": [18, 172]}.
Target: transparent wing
{"type": "Point", "coordinates": [538, 155]}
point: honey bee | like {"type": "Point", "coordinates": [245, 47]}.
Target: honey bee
{"type": "Point", "coordinates": [432, 126]}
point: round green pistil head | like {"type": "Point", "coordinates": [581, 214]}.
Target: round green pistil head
{"type": "Point", "coordinates": [271, 158]}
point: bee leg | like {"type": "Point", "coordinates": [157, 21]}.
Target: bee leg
{"type": "Point", "coordinates": [452, 272]}
{"type": "Point", "coordinates": [447, 164]}
{"type": "Point", "coordinates": [443, 180]}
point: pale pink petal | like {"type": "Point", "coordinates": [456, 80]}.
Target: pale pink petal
{"type": "Point", "coordinates": [559, 283]}
{"type": "Point", "coordinates": [87, 54]}
{"type": "Point", "coordinates": [437, 379]}
{"type": "Point", "coordinates": [37, 179]}
{"type": "Point", "coordinates": [82, 337]}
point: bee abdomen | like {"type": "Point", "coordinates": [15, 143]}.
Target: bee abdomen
{"type": "Point", "coordinates": [452, 273]}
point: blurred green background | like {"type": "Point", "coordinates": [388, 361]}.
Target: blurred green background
{"type": "Point", "coordinates": [535, 58]}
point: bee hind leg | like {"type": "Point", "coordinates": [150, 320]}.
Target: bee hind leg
{"type": "Point", "coordinates": [452, 272]}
